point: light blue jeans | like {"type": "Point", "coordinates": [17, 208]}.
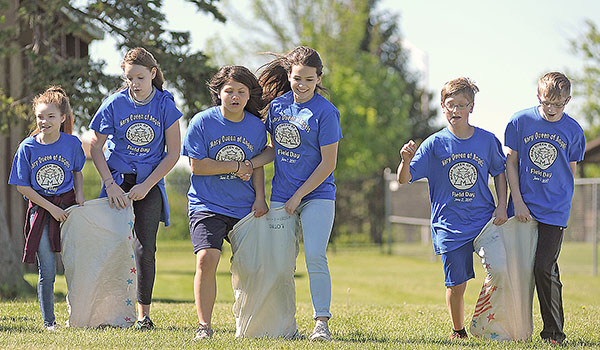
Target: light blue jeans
{"type": "Point", "coordinates": [46, 259]}
{"type": "Point", "coordinates": [316, 217]}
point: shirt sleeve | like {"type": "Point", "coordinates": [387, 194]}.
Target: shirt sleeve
{"type": "Point", "coordinates": [330, 130]}
{"type": "Point", "coordinates": [419, 165]}
{"type": "Point", "coordinates": [78, 157]}
{"type": "Point", "coordinates": [497, 158]}
{"type": "Point", "coordinates": [510, 135]}
{"type": "Point", "coordinates": [577, 148]}
{"type": "Point", "coordinates": [194, 145]}
{"type": "Point", "coordinates": [103, 120]}
{"type": "Point", "coordinates": [170, 112]}
{"type": "Point", "coordinates": [20, 173]}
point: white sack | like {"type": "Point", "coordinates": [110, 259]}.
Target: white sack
{"type": "Point", "coordinates": [97, 251]}
{"type": "Point", "coordinates": [504, 308]}
{"type": "Point", "coordinates": [262, 268]}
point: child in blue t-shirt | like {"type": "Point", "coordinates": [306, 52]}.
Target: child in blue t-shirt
{"type": "Point", "coordinates": [545, 145]}
{"type": "Point", "coordinates": [305, 132]}
{"type": "Point", "coordinates": [457, 162]}
{"type": "Point", "coordinates": [137, 123]}
{"type": "Point", "coordinates": [47, 171]}
{"type": "Point", "coordinates": [220, 142]}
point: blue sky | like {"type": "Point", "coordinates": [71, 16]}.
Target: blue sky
{"type": "Point", "coordinates": [504, 46]}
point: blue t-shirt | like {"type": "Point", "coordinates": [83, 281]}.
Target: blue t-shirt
{"type": "Point", "coordinates": [136, 143]}
{"type": "Point", "coordinates": [458, 173]}
{"type": "Point", "coordinates": [212, 135]}
{"type": "Point", "coordinates": [545, 149]}
{"type": "Point", "coordinates": [48, 169]}
{"type": "Point", "coordinates": [298, 131]}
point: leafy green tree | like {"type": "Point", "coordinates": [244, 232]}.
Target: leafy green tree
{"type": "Point", "coordinates": [381, 103]}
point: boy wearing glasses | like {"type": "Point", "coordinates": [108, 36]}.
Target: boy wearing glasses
{"type": "Point", "coordinates": [457, 162]}
{"type": "Point", "coordinates": [545, 145]}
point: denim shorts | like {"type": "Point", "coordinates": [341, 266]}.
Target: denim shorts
{"type": "Point", "coordinates": [458, 265]}
{"type": "Point", "coordinates": [208, 229]}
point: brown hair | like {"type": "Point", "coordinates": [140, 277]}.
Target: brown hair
{"type": "Point", "coordinates": [57, 96]}
{"type": "Point", "coordinates": [244, 76]}
{"type": "Point", "coordinates": [143, 57]}
{"type": "Point", "coordinates": [461, 85]}
{"type": "Point", "coordinates": [274, 75]}
{"type": "Point", "coordinates": [554, 86]}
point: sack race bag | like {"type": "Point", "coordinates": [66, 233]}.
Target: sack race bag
{"type": "Point", "coordinates": [262, 268]}
{"type": "Point", "coordinates": [97, 252]}
{"type": "Point", "coordinates": [504, 308]}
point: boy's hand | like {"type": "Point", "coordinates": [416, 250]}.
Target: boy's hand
{"type": "Point", "coordinates": [522, 213]}
{"type": "Point", "coordinates": [408, 151]}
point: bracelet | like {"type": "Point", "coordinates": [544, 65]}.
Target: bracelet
{"type": "Point", "coordinates": [238, 168]}
{"type": "Point", "coordinates": [251, 164]}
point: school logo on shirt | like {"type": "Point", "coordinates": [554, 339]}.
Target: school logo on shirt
{"type": "Point", "coordinates": [230, 153]}
{"type": "Point", "coordinates": [543, 154]}
{"type": "Point", "coordinates": [287, 135]}
{"type": "Point", "coordinates": [50, 176]}
{"type": "Point", "coordinates": [463, 175]}
{"type": "Point", "coordinates": [140, 134]}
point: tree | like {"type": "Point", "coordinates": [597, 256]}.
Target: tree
{"type": "Point", "coordinates": [379, 98]}
{"type": "Point", "coordinates": [37, 35]}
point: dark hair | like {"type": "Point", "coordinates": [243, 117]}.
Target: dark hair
{"type": "Point", "coordinates": [143, 57]}
{"type": "Point", "coordinates": [55, 95]}
{"type": "Point", "coordinates": [274, 75]}
{"type": "Point", "coordinates": [244, 76]}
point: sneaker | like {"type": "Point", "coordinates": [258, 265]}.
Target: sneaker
{"type": "Point", "coordinates": [203, 332]}
{"type": "Point", "coordinates": [51, 326]}
{"type": "Point", "coordinates": [460, 334]}
{"type": "Point", "coordinates": [321, 332]}
{"type": "Point", "coordinates": [145, 324]}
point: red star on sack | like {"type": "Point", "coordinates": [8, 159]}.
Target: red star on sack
{"type": "Point", "coordinates": [129, 238]}
{"type": "Point", "coordinates": [487, 266]}
{"type": "Point", "coordinates": [132, 270]}
{"type": "Point", "coordinates": [127, 319]}
{"type": "Point", "coordinates": [494, 288]}
{"type": "Point", "coordinates": [491, 317]}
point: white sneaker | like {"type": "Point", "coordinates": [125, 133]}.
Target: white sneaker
{"type": "Point", "coordinates": [321, 332]}
{"type": "Point", "coordinates": [52, 327]}
{"type": "Point", "coordinates": [203, 332]}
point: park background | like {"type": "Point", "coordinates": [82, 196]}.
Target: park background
{"type": "Point", "coordinates": [385, 63]}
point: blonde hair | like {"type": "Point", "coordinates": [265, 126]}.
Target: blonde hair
{"type": "Point", "coordinates": [554, 86]}
{"type": "Point", "coordinates": [457, 86]}
{"type": "Point", "coordinates": [55, 95]}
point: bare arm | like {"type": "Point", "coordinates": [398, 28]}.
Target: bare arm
{"type": "Point", "coordinates": [266, 156]}
{"type": "Point", "coordinates": [173, 142]}
{"type": "Point", "coordinates": [259, 207]}
{"type": "Point", "coordinates": [501, 190]}
{"type": "Point", "coordinates": [322, 171]}
{"type": "Point", "coordinates": [78, 187]}
{"type": "Point", "coordinates": [407, 152]}
{"type": "Point", "coordinates": [512, 172]}
{"type": "Point", "coordinates": [573, 166]}
{"type": "Point", "coordinates": [57, 212]}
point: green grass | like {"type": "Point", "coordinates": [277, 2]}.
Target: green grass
{"type": "Point", "coordinates": [379, 302]}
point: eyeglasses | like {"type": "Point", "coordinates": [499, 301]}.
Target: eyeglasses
{"type": "Point", "coordinates": [554, 105]}
{"type": "Point", "coordinates": [451, 107]}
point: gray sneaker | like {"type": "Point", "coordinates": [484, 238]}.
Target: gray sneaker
{"type": "Point", "coordinates": [203, 332]}
{"type": "Point", "coordinates": [321, 332]}
{"type": "Point", "coordinates": [51, 326]}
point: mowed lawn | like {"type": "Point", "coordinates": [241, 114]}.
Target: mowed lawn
{"type": "Point", "coordinates": [379, 302]}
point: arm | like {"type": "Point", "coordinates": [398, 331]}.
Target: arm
{"type": "Point", "coordinates": [501, 189]}
{"type": "Point", "coordinates": [573, 166]}
{"type": "Point", "coordinates": [173, 142]}
{"type": "Point", "coordinates": [209, 166]}
{"type": "Point", "coordinates": [57, 212]}
{"type": "Point", "coordinates": [259, 207]}
{"type": "Point", "coordinates": [321, 172]}
{"type": "Point", "coordinates": [407, 153]}
{"type": "Point", "coordinates": [113, 191]}
{"type": "Point", "coordinates": [512, 172]}
{"type": "Point", "coordinates": [78, 187]}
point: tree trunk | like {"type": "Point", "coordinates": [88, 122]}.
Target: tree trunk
{"type": "Point", "coordinates": [12, 282]}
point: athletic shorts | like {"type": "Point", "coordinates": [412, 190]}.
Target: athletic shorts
{"type": "Point", "coordinates": [208, 229]}
{"type": "Point", "coordinates": [458, 265]}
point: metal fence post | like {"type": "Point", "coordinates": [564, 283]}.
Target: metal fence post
{"type": "Point", "coordinates": [388, 208]}
{"type": "Point", "coordinates": [595, 226]}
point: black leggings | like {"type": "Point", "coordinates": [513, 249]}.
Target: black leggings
{"type": "Point", "coordinates": [147, 216]}
{"type": "Point", "coordinates": [547, 281]}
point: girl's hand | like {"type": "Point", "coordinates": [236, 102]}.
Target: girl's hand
{"type": "Point", "coordinates": [79, 199]}
{"type": "Point", "coordinates": [59, 214]}
{"type": "Point", "coordinates": [500, 216]}
{"type": "Point", "coordinates": [260, 208]}
{"type": "Point", "coordinates": [245, 171]}
{"type": "Point", "coordinates": [522, 212]}
{"type": "Point", "coordinates": [407, 152]}
{"type": "Point", "coordinates": [116, 198]}
{"type": "Point", "coordinates": [138, 192]}
{"type": "Point", "coordinates": [292, 204]}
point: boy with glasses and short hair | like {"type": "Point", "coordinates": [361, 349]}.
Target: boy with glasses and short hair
{"type": "Point", "coordinates": [457, 161]}
{"type": "Point", "coordinates": [545, 145]}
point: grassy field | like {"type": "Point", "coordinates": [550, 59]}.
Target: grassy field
{"type": "Point", "coordinates": [379, 302]}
